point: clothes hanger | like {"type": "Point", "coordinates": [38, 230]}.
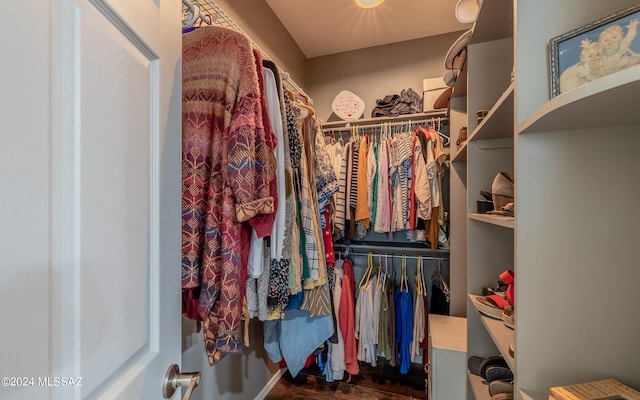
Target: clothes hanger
{"type": "Point", "coordinates": [445, 139]}
{"type": "Point", "coordinates": [445, 287]}
{"type": "Point", "coordinates": [417, 275]}
{"type": "Point", "coordinates": [367, 273]}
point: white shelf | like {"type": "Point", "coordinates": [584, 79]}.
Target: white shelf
{"type": "Point", "coordinates": [480, 390]}
{"type": "Point", "coordinates": [506, 222]}
{"type": "Point", "coordinates": [460, 87]}
{"type": "Point", "coordinates": [502, 335]}
{"type": "Point", "coordinates": [532, 396]}
{"type": "Point", "coordinates": [461, 153]}
{"type": "Point", "coordinates": [499, 120]}
{"type": "Point", "coordinates": [592, 105]}
{"type": "Point", "coordinates": [494, 21]}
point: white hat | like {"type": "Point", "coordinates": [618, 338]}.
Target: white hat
{"type": "Point", "coordinates": [457, 47]}
{"type": "Point", "coordinates": [467, 10]}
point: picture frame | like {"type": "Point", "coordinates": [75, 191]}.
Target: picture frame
{"type": "Point", "coordinates": [595, 50]}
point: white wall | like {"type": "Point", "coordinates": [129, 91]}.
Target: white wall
{"type": "Point", "coordinates": [24, 209]}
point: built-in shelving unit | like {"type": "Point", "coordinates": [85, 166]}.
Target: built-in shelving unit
{"type": "Point", "coordinates": [575, 159]}
{"type": "Point", "coordinates": [559, 185]}
{"type": "Point", "coordinates": [489, 239]}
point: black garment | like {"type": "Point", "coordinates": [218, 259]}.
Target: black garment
{"type": "Point", "coordinates": [439, 301]}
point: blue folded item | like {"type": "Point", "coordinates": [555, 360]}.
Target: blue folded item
{"type": "Point", "coordinates": [295, 337]}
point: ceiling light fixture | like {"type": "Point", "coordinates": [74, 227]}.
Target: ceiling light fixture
{"type": "Point", "coordinates": [368, 3]}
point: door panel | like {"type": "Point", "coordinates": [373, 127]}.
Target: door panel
{"type": "Point", "coordinates": [115, 192]}
{"type": "Point", "coordinates": [116, 195]}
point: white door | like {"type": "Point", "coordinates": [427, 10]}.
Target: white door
{"type": "Point", "coordinates": [91, 178]}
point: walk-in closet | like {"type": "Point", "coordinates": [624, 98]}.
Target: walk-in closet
{"type": "Point", "coordinates": [278, 199]}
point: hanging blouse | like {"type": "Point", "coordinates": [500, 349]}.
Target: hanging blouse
{"type": "Point", "coordinates": [372, 178]}
{"type": "Point", "coordinates": [362, 213]}
{"type": "Point", "coordinates": [383, 205]}
{"type": "Point", "coordinates": [347, 319]}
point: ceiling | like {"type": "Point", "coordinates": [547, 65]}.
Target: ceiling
{"type": "Point", "coordinates": [322, 27]}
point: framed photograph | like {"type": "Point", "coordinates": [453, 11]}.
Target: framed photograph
{"type": "Point", "coordinates": [595, 50]}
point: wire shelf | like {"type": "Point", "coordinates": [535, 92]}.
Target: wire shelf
{"type": "Point", "coordinates": [219, 17]}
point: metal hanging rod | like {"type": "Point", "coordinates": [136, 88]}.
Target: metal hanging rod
{"type": "Point", "coordinates": [222, 19]}
{"type": "Point", "coordinates": [355, 253]}
{"type": "Point", "coordinates": [391, 251]}
{"type": "Point", "coordinates": [379, 125]}
{"type": "Point", "coordinates": [427, 116]}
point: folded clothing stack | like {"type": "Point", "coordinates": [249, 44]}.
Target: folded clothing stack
{"type": "Point", "coordinates": [407, 102]}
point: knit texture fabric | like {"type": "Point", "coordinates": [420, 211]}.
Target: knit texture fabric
{"type": "Point", "coordinates": [225, 177]}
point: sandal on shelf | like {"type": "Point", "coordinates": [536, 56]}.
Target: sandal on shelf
{"type": "Point", "coordinates": [508, 317]}
{"type": "Point", "coordinates": [488, 307]}
{"type": "Point", "coordinates": [500, 386]}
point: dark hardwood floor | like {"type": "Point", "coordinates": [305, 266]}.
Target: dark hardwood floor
{"type": "Point", "coordinates": [382, 382]}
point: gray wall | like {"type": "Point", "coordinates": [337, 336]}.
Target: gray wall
{"type": "Point", "coordinates": [259, 22]}
{"type": "Point", "coordinates": [235, 377]}
{"type": "Point", "coordinates": [374, 72]}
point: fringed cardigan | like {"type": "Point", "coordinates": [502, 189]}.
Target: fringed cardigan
{"type": "Point", "coordinates": [225, 180]}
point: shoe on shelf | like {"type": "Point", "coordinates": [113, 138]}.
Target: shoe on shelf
{"type": "Point", "coordinates": [502, 189]}
{"type": "Point", "coordinates": [507, 316]}
{"type": "Point", "coordinates": [498, 373]}
{"type": "Point", "coordinates": [480, 365]}
{"type": "Point", "coordinates": [502, 396]}
{"type": "Point", "coordinates": [487, 306]}
{"type": "Point", "coordinates": [500, 386]}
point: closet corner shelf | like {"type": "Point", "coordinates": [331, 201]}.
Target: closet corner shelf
{"type": "Point", "coordinates": [590, 105]}
{"type": "Point", "coordinates": [505, 222]}
{"type": "Point", "coordinates": [461, 154]}
{"type": "Point", "coordinates": [479, 388]}
{"type": "Point", "coordinates": [494, 21]}
{"type": "Point", "coordinates": [460, 87]}
{"type": "Point", "coordinates": [499, 121]}
{"type": "Point", "coordinates": [501, 335]}
{"type": "Point", "coordinates": [532, 396]}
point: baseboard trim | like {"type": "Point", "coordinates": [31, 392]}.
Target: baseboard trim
{"type": "Point", "coordinates": [272, 382]}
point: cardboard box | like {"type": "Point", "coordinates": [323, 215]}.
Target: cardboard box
{"type": "Point", "coordinates": [432, 88]}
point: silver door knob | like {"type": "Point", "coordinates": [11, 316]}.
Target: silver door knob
{"type": "Point", "coordinates": [173, 379]}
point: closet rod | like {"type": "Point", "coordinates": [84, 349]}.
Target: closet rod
{"type": "Point", "coordinates": [223, 20]}
{"type": "Point", "coordinates": [423, 121]}
{"type": "Point", "coordinates": [363, 249]}
{"type": "Point", "coordinates": [354, 253]}
{"type": "Point", "coordinates": [377, 120]}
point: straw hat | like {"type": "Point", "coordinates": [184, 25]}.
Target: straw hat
{"type": "Point", "coordinates": [457, 49]}
{"type": "Point", "coordinates": [467, 10]}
